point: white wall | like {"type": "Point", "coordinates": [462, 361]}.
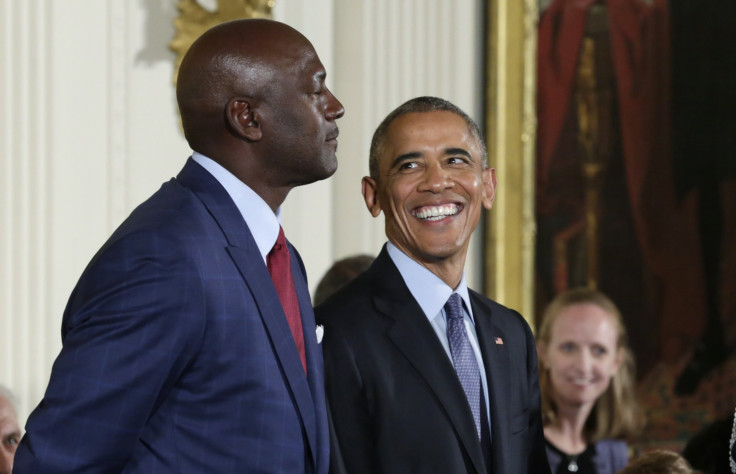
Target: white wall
{"type": "Point", "coordinates": [88, 129]}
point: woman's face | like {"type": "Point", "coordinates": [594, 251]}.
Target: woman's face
{"type": "Point", "coordinates": [581, 355]}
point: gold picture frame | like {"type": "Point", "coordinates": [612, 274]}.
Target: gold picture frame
{"type": "Point", "coordinates": [510, 227]}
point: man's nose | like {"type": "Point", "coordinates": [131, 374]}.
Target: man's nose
{"type": "Point", "coordinates": [436, 179]}
{"type": "Point", "coordinates": [335, 110]}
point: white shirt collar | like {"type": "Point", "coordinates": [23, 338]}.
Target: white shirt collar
{"type": "Point", "coordinates": [427, 288]}
{"type": "Point", "coordinates": [263, 223]}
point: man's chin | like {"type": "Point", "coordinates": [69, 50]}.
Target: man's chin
{"type": "Point", "coordinates": [428, 254]}
{"type": "Point", "coordinates": [329, 168]}
{"type": "Point", "coordinates": [319, 175]}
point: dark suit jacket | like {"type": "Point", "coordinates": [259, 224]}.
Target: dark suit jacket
{"type": "Point", "coordinates": [177, 356]}
{"type": "Point", "coordinates": [395, 401]}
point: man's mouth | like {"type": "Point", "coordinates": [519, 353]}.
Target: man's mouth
{"type": "Point", "coordinates": [333, 135]}
{"type": "Point", "coordinates": [435, 213]}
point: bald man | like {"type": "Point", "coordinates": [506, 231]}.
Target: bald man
{"type": "Point", "coordinates": [189, 342]}
{"type": "Point", "coordinates": [9, 430]}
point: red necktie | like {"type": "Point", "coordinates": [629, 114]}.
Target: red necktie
{"type": "Point", "coordinates": [279, 266]}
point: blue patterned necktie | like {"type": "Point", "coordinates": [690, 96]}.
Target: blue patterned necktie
{"type": "Point", "coordinates": [463, 357]}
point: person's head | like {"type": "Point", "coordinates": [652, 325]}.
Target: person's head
{"type": "Point", "coordinates": [252, 96]}
{"type": "Point", "coordinates": [658, 461]}
{"type": "Point", "coordinates": [9, 430]}
{"type": "Point", "coordinates": [585, 364]}
{"type": "Point", "coordinates": [340, 273]}
{"type": "Point", "coordinates": [429, 175]}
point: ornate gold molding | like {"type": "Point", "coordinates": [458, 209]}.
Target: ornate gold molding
{"type": "Point", "coordinates": [511, 134]}
{"type": "Point", "coordinates": [194, 19]}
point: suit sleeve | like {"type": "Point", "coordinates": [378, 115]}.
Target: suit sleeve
{"type": "Point", "coordinates": [132, 325]}
{"type": "Point", "coordinates": [537, 453]}
{"type": "Point", "coordinates": [351, 443]}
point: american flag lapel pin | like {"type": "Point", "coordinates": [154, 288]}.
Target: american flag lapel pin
{"type": "Point", "coordinates": [499, 341]}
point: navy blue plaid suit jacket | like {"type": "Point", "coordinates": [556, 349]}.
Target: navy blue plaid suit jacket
{"type": "Point", "coordinates": [177, 356]}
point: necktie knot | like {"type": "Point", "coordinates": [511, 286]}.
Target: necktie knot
{"type": "Point", "coordinates": [454, 307]}
{"type": "Point", "coordinates": [280, 241]}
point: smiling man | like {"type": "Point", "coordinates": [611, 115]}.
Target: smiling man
{"type": "Point", "coordinates": [423, 374]}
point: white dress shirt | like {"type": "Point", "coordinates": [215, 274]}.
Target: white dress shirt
{"type": "Point", "coordinates": [432, 293]}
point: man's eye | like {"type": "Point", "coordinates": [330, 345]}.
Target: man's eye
{"type": "Point", "coordinates": [12, 441]}
{"type": "Point", "coordinates": [457, 160]}
{"type": "Point", "coordinates": [407, 166]}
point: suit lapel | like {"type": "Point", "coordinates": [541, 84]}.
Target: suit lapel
{"type": "Point", "coordinates": [259, 281]}
{"type": "Point", "coordinates": [415, 338]}
{"type": "Point", "coordinates": [244, 252]}
{"type": "Point", "coordinates": [315, 368]}
{"type": "Point", "coordinates": [496, 361]}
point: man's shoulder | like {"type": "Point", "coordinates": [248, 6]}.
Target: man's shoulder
{"type": "Point", "coordinates": [170, 208]}
{"type": "Point", "coordinates": [491, 307]}
{"type": "Point", "coordinates": [506, 320]}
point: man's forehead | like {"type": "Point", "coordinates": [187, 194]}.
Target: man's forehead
{"type": "Point", "coordinates": [305, 61]}
{"type": "Point", "coordinates": [441, 130]}
{"type": "Point", "coordinates": [450, 125]}
{"type": "Point", "coordinates": [429, 115]}
{"type": "Point", "coordinates": [8, 418]}
{"type": "Point", "coordinates": [9, 425]}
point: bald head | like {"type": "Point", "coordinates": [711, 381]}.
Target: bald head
{"type": "Point", "coordinates": [253, 98]}
{"type": "Point", "coordinates": [236, 58]}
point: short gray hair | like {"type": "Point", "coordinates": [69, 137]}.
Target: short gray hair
{"type": "Point", "coordinates": [418, 105]}
{"type": "Point", "coordinates": [10, 397]}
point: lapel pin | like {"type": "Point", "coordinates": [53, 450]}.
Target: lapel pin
{"type": "Point", "coordinates": [499, 341]}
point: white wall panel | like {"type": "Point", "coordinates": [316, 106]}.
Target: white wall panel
{"type": "Point", "coordinates": [88, 129]}
{"type": "Point", "coordinates": [24, 212]}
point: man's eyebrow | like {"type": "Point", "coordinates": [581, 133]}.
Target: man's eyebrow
{"type": "Point", "coordinates": [405, 157]}
{"type": "Point", "coordinates": [458, 151]}
{"type": "Point", "coordinates": [320, 75]}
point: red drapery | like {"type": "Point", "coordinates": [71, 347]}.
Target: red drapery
{"type": "Point", "coordinates": [666, 228]}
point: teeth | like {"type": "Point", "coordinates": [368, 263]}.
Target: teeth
{"type": "Point", "coordinates": [437, 212]}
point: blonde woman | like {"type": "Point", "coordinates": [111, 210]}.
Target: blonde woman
{"type": "Point", "coordinates": [586, 373]}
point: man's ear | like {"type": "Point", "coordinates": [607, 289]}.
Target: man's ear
{"type": "Point", "coordinates": [489, 187]}
{"type": "Point", "coordinates": [370, 195]}
{"type": "Point", "coordinates": [243, 118]}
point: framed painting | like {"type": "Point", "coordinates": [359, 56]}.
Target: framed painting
{"type": "Point", "coordinates": [611, 127]}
